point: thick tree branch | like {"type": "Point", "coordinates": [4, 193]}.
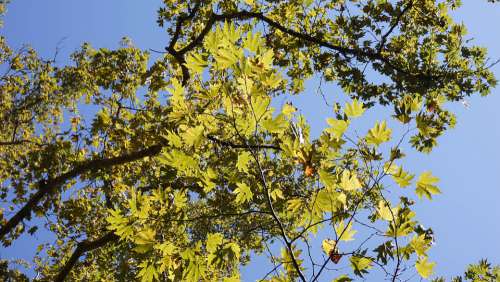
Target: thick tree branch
{"type": "Point", "coordinates": [81, 249]}
{"type": "Point", "coordinates": [46, 187]}
{"type": "Point", "coordinates": [171, 47]}
{"type": "Point", "coordinates": [362, 54]}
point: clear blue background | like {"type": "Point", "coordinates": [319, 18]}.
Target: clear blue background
{"type": "Point", "coordinates": [466, 218]}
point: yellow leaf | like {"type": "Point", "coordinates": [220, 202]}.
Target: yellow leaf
{"type": "Point", "coordinates": [425, 268]}
{"type": "Point", "coordinates": [379, 134]}
{"type": "Point", "coordinates": [425, 185]}
{"type": "Point", "coordinates": [328, 245]}
{"type": "Point", "coordinates": [354, 109]}
{"type": "Point", "coordinates": [349, 182]}
{"type": "Point", "coordinates": [337, 127]}
{"type": "Point", "coordinates": [384, 211]}
{"type": "Point", "coordinates": [344, 232]}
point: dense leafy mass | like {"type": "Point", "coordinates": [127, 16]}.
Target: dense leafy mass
{"type": "Point", "coordinates": [183, 168]}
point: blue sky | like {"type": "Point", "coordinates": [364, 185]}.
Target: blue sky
{"type": "Point", "coordinates": [465, 219]}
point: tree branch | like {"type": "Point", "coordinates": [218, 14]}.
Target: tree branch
{"type": "Point", "coordinates": [246, 15]}
{"type": "Point", "coordinates": [242, 146]}
{"type": "Point", "coordinates": [81, 249]}
{"type": "Point", "coordinates": [46, 187]}
{"type": "Point", "coordinates": [394, 25]}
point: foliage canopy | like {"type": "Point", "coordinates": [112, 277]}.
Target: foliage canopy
{"type": "Point", "coordinates": [186, 167]}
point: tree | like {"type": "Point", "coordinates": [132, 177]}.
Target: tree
{"type": "Point", "coordinates": [187, 168]}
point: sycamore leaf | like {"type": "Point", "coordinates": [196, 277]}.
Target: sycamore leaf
{"type": "Point", "coordinates": [193, 271]}
{"type": "Point", "coordinates": [276, 193]}
{"type": "Point", "coordinates": [345, 233]}
{"type": "Point", "coordinates": [193, 135]}
{"type": "Point", "coordinates": [288, 110]}
{"type": "Point", "coordinates": [337, 127]}
{"type": "Point", "coordinates": [276, 125]}
{"type": "Point", "coordinates": [360, 264]}
{"type": "Point", "coordinates": [173, 139]}
{"type": "Point", "coordinates": [180, 199]}
{"type": "Point", "coordinates": [349, 182]}
{"type": "Point", "coordinates": [343, 278]}
{"type": "Point", "coordinates": [329, 201]}
{"type": "Point", "coordinates": [294, 205]}
{"type": "Point", "coordinates": [214, 240]}
{"type": "Point", "coordinates": [384, 211]}
{"type": "Point", "coordinates": [272, 80]}
{"type": "Point", "coordinates": [211, 41]}
{"type": "Point", "coordinates": [207, 178]}
{"type": "Point", "coordinates": [402, 178]}
{"type": "Point", "coordinates": [253, 42]}
{"type": "Point", "coordinates": [148, 272]}
{"type": "Point", "coordinates": [195, 62]}
{"type": "Point", "coordinates": [425, 268]}
{"type": "Point", "coordinates": [231, 32]}
{"type": "Point", "coordinates": [426, 187]}
{"type": "Point", "coordinates": [259, 106]}
{"type": "Point", "coordinates": [379, 134]}
{"type": "Point", "coordinates": [328, 245]}
{"type": "Point", "coordinates": [232, 278]}
{"type": "Point", "coordinates": [420, 245]}
{"type": "Point", "coordinates": [145, 237]}
{"type": "Point", "coordinates": [243, 160]}
{"type": "Point", "coordinates": [267, 59]}
{"type": "Point", "coordinates": [327, 179]}
{"type": "Point", "coordinates": [226, 57]}
{"type": "Point", "coordinates": [243, 193]}
{"type": "Point", "coordinates": [354, 109]}
{"type": "Point", "coordinates": [195, 265]}
{"type": "Point", "coordinates": [390, 168]}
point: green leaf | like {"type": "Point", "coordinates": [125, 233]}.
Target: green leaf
{"type": "Point", "coordinates": [401, 177]}
{"type": "Point", "coordinates": [354, 109]}
{"type": "Point", "coordinates": [231, 32]}
{"type": "Point", "coordinates": [379, 134]}
{"type": "Point", "coordinates": [267, 59]}
{"type": "Point", "coordinates": [425, 185]}
{"type": "Point", "coordinates": [207, 178]}
{"type": "Point", "coordinates": [425, 268]}
{"type": "Point", "coordinates": [294, 205]}
{"type": "Point", "coordinates": [173, 139]}
{"type": "Point", "coordinates": [145, 241]}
